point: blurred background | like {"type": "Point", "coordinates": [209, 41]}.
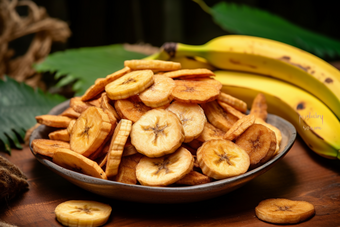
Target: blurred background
{"type": "Point", "coordinates": [104, 22]}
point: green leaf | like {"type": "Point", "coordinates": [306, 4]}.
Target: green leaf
{"type": "Point", "coordinates": [85, 65]}
{"type": "Point", "coordinates": [19, 104]}
{"type": "Point", "coordinates": [247, 20]}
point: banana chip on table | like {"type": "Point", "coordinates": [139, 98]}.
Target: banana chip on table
{"type": "Point", "coordinates": [82, 213]}
{"type": "Point", "coordinates": [284, 211]}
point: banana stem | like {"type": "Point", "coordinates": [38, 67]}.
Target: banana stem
{"type": "Point", "coordinates": [204, 6]}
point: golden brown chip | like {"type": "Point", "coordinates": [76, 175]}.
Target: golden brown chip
{"type": "Point", "coordinates": [90, 131]}
{"type": "Point", "coordinates": [239, 127]}
{"type": "Point", "coordinates": [210, 132]}
{"type": "Point", "coordinates": [238, 104]}
{"type": "Point", "coordinates": [284, 211]}
{"type": "Point", "coordinates": [128, 109]}
{"type": "Point", "coordinates": [78, 105]}
{"type": "Point", "coordinates": [129, 149]}
{"type": "Point", "coordinates": [127, 169]}
{"type": "Point", "coordinates": [259, 107]}
{"type": "Point", "coordinates": [99, 86]}
{"type": "Point", "coordinates": [61, 134]}
{"type": "Point", "coordinates": [218, 117]}
{"type": "Point", "coordinates": [189, 73]}
{"type": "Point", "coordinates": [259, 142]}
{"type": "Point", "coordinates": [230, 109]}
{"type": "Point", "coordinates": [106, 105]}
{"type": "Point", "coordinates": [73, 161]}
{"type": "Point", "coordinates": [154, 65]}
{"type": "Point", "coordinates": [190, 91]}
{"type": "Point", "coordinates": [55, 121]}
{"type": "Point", "coordinates": [69, 112]}
{"type": "Point", "coordinates": [47, 147]}
{"type": "Point", "coordinates": [194, 178]}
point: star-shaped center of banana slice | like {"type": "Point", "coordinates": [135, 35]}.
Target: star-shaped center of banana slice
{"type": "Point", "coordinates": [163, 166]}
{"type": "Point", "coordinates": [224, 157]}
{"type": "Point", "coordinates": [283, 208]}
{"type": "Point", "coordinates": [129, 80]}
{"type": "Point", "coordinates": [84, 209]}
{"type": "Point", "coordinates": [157, 130]}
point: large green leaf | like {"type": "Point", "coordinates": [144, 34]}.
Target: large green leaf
{"type": "Point", "coordinates": [247, 20]}
{"type": "Point", "coordinates": [85, 65]}
{"type": "Point", "coordinates": [19, 104]}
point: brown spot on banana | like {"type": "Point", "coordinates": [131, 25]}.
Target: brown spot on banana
{"type": "Point", "coordinates": [328, 80]}
{"type": "Point", "coordinates": [300, 106]}
{"type": "Point", "coordinates": [236, 62]}
{"type": "Point", "coordinates": [288, 60]}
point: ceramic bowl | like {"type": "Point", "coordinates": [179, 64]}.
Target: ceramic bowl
{"type": "Point", "coordinates": [179, 194]}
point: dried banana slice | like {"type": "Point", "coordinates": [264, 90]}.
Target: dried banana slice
{"type": "Point", "coordinates": [71, 160]}
{"type": "Point", "coordinates": [70, 126]}
{"type": "Point", "coordinates": [160, 93]}
{"type": "Point", "coordinates": [284, 211]}
{"type": "Point", "coordinates": [232, 101]}
{"type": "Point", "coordinates": [220, 159]}
{"type": "Point", "coordinates": [276, 131]}
{"type": "Point", "coordinates": [82, 213]}
{"type": "Point", "coordinates": [108, 108]}
{"type": "Point", "coordinates": [90, 131]}
{"type": "Point", "coordinates": [189, 73]}
{"type": "Point", "coordinates": [210, 132]}
{"type": "Point", "coordinates": [259, 107]}
{"type": "Point", "coordinates": [192, 91]}
{"type": "Point", "coordinates": [194, 178]}
{"type": "Point", "coordinates": [192, 118]}
{"type": "Point", "coordinates": [131, 110]}
{"type": "Point", "coordinates": [164, 170]}
{"type": "Point", "coordinates": [55, 121]}
{"type": "Point", "coordinates": [99, 85]}
{"type": "Point", "coordinates": [259, 142]}
{"type": "Point", "coordinates": [78, 105]}
{"type": "Point", "coordinates": [117, 144]}
{"type": "Point", "coordinates": [127, 169]}
{"type": "Point", "coordinates": [218, 117]}
{"type": "Point", "coordinates": [69, 112]}
{"type": "Point", "coordinates": [228, 108]}
{"type": "Point", "coordinates": [61, 134]}
{"type": "Point", "coordinates": [129, 149]}
{"type": "Point", "coordinates": [154, 65]}
{"type": "Point", "coordinates": [48, 147]}
{"type": "Point", "coordinates": [239, 127]}
{"type": "Point", "coordinates": [157, 133]}
{"type": "Point", "coordinates": [130, 84]}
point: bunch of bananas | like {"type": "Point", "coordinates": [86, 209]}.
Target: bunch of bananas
{"type": "Point", "coordinates": [298, 86]}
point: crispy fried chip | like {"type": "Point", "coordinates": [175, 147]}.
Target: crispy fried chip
{"type": "Point", "coordinates": [190, 91]}
{"type": "Point", "coordinates": [99, 85]}
{"type": "Point", "coordinates": [232, 101]}
{"type": "Point", "coordinates": [47, 147]}
{"type": "Point", "coordinates": [194, 178]}
{"type": "Point", "coordinates": [259, 107]}
{"type": "Point", "coordinates": [131, 110]}
{"type": "Point", "coordinates": [61, 134]}
{"type": "Point", "coordinates": [189, 73]}
{"type": "Point", "coordinates": [154, 65]}
{"type": "Point", "coordinates": [210, 132]}
{"type": "Point", "coordinates": [53, 120]}
{"type": "Point", "coordinates": [69, 112]}
{"type": "Point", "coordinates": [239, 127]}
{"type": "Point", "coordinates": [127, 169]}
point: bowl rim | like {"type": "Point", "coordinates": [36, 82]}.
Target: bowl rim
{"type": "Point", "coordinates": [214, 184]}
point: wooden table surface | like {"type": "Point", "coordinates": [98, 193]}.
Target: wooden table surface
{"type": "Point", "coordinates": [300, 175]}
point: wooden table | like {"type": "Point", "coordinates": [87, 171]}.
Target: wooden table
{"type": "Point", "coordinates": [300, 175]}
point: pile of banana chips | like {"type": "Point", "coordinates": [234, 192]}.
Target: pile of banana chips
{"type": "Point", "coordinates": [153, 123]}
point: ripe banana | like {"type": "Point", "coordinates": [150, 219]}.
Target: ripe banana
{"type": "Point", "coordinates": [315, 122]}
{"type": "Point", "coordinates": [267, 57]}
